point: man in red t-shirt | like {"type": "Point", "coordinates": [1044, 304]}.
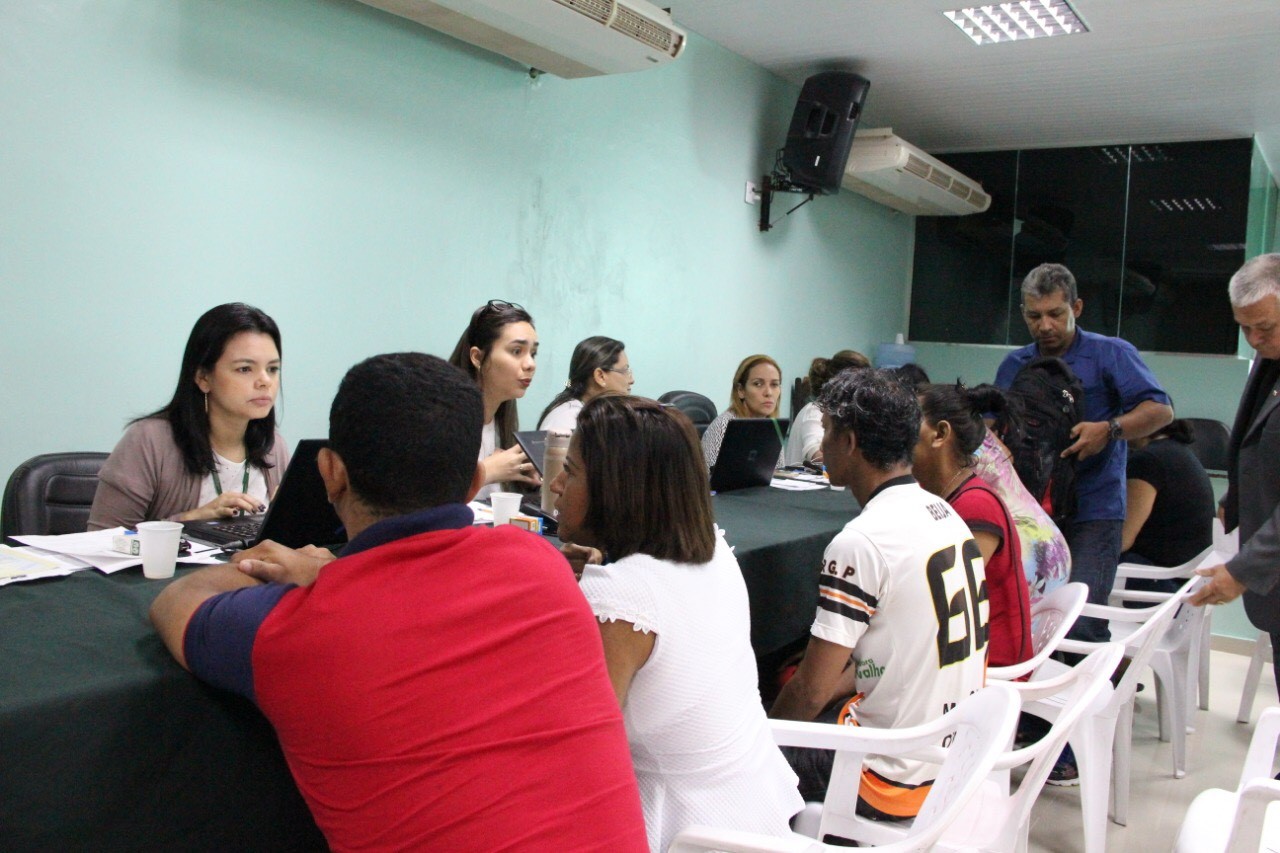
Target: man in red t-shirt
{"type": "Point", "coordinates": [439, 686]}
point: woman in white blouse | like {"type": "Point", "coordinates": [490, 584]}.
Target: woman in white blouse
{"type": "Point", "coordinates": [598, 365]}
{"type": "Point", "coordinates": [674, 620]}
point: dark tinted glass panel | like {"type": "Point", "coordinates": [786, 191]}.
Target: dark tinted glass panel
{"type": "Point", "coordinates": [1071, 212]}
{"type": "Point", "coordinates": [1188, 212]}
{"type": "Point", "coordinates": [960, 284]}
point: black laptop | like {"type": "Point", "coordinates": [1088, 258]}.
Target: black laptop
{"type": "Point", "coordinates": [749, 453]}
{"type": "Point", "coordinates": [299, 515]}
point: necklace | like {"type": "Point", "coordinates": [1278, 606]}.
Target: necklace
{"type": "Point", "coordinates": [946, 490]}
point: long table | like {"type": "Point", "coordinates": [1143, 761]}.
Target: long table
{"type": "Point", "coordinates": [107, 744]}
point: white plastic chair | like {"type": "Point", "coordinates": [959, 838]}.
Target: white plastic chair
{"type": "Point", "coordinates": [1051, 619]}
{"type": "Point", "coordinates": [997, 819]}
{"type": "Point", "coordinates": [1262, 656]}
{"type": "Point", "coordinates": [1102, 742]}
{"type": "Point", "coordinates": [1176, 658]}
{"type": "Point", "coordinates": [982, 726]}
{"type": "Point", "coordinates": [1219, 821]}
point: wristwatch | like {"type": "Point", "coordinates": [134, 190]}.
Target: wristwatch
{"type": "Point", "coordinates": [1115, 432]}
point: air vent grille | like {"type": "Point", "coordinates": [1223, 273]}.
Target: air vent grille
{"type": "Point", "coordinates": [960, 190]}
{"type": "Point", "coordinates": [597, 10]}
{"type": "Point", "coordinates": [940, 179]}
{"type": "Point", "coordinates": [916, 166]}
{"type": "Point", "coordinates": [645, 31]}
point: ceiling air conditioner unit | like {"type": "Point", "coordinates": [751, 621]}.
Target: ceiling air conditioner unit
{"type": "Point", "coordinates": [568, 38]}
{"type": "Point", "coordinates": [894, 172]}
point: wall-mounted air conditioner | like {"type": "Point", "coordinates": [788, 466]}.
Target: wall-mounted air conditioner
{"type": "Point", "coordinates": [894, 172]}
{"type": "Point", "coordinates": [568, 38]}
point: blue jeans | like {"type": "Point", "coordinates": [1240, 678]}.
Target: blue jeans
{"type": "Point", "coordinates": [1095, 553]}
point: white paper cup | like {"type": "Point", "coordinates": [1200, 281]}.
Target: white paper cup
{"type": "Point", "coordinates": [159, 547]}
{"type": "Point", "coordinates": [505, 505]}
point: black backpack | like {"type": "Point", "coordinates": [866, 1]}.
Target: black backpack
{"type": "Point", "coordinates": [1049, 397]}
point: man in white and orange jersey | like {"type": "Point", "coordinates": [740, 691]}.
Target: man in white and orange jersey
{"type": "Point", "coordinates": [901, 631]}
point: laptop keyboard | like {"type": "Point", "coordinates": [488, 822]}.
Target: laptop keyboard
{"type": "Point", "coordinates": [244, 529]}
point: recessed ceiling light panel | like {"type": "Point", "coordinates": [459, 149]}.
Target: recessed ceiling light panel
{"type": "Point", "coordinates": [1027, 19]}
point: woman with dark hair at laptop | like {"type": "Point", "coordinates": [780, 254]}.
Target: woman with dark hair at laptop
{"type": "Point", "coordinates": [756, 393]}
{"type": "Point", "coordinates": [213, 451]}
{"type": "Point", "coordinates": [599, 365]}
{"type": "Point", "coordinates": [674, 620]}
{"type": "Point", "coordinates": [499, 350]}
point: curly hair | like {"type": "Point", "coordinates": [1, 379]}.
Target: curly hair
{"type": "Point", "coordinates": [878, 409]}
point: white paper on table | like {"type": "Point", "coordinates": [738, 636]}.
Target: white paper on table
{"type": "Point", "coordinates": [483, 513]}
{"type": "Point", "coordinates": [94, 547]}
{"type": "Point", "coordinates": [27, 564]}
{"type": "Point", "coordinates": [795, 485]}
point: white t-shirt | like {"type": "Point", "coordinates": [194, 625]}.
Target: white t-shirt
{"type": "Point", "coordinates": [805, 438]}
{"type": "Point", "coordinates": [231, 474]}
{"type": "Point", "coordinates": [563, 417]}
{"type": "Point", "coordinates": [903, 587]}
{"type": "Point", "coordinates": [699, 738]}
{"type": "Point", "coordinates": [488, 445]}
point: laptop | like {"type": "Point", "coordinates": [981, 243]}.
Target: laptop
{"type": "Point", "coordinates": [749, 453]}
{"type": "Point", "coordinates": [299, 515]}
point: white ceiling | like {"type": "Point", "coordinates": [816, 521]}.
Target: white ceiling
{"type": "Point", "coordinates": [1148, 70]}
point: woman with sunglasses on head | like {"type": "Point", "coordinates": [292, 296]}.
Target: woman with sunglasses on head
{"type": "Point", "coordinates": [598, 365]}
{"type": "Point", "coordinates": [951, 431]}
{"type": "Point", "coordinates": [756, 393]}
{"type": "Point", "coordinates": [213, 451]}
{"type": "Point", "coordinates": [674, 620]}
{"type": "Point", "coordinates": [498, 350]}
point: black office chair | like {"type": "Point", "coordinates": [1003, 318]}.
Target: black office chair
{"type": "Point", "coordinates": [1210, 446]}
{"type": "Point", "coordinates": [50, 494]}
{"type": "Point", "coordinates": [698, 408]}
{"type": "Point", "coordinates": [800, 395]}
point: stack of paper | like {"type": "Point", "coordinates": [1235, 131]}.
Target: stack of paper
{"type": "Point", "coordinates": [53, 556]}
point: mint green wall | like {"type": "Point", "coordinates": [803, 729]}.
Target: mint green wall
{"type": "Point", "coordinates": [369, 182]}
{"type": "Point", "coordinates": [1201, 386]}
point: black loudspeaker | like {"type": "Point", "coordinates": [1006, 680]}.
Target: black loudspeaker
{"type": "Point", "coordinates": [822, 129]}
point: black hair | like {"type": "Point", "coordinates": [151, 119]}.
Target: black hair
{"type": "Point", "coordinates": [911, 374]}
{"type": "Point", "coordinates": [647, 490]}
{"type": "Point", "coordinates": [964, 409]}
{"type": "Point", "coordinates": [484, 330]}
{"type": "Point", "coordinates": [595, 352]}
{"type": "Point", "coordinates": [879, 410]}
{"type": "Point", "coordinates": [187, 411]}
{"type": "Point", "coordinates": [407, 426]}
{"type": "Point", "coordinates": [822, 369]}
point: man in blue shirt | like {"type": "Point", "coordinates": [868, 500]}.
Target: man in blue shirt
{"type": "Point", "coordinates": [1122, 400]}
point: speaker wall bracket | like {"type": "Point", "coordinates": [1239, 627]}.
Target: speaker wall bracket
{"type": "Point", "coordinates": [778, 181]}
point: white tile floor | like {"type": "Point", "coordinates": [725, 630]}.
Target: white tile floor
{"type": "Point", "coordinates": [1215, 752]}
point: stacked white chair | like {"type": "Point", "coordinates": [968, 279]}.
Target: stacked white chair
{"type": "Point", "coordinates": [1051, 618]}
{"type": "Point", "coordinates": [981, 726]}
{"type": "Point", "coordinates": [1176, 660]}
{"type": "Point", "coordinates": [999, 820]}
{"type": "Point", "coordinates": [1262, 656]}
{"type": "Point", "coordinates": [1221, 821]}
{"type": "Point", "coordinates": [1102, 742]}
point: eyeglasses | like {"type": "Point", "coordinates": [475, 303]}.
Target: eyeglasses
{"type": "Point", "coordinates": [625, 371]}
{"type": "Point", "coordinates": [502, 305]}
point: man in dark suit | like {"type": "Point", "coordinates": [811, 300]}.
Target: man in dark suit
{"type": "Point", "coordinates": [1252, 501]}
